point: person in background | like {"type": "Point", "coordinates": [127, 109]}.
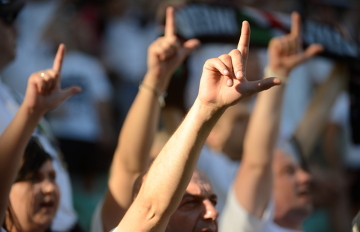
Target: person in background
{"type": "Point", "coordinates": [65, 219]}
{"type": "Point", "coordinates": [29, 190]}
{"type": "Point", "coordinates": [173, 197]}
{"type": "Point", "coordinates": [271, 191]}
{"type": "Point", "coordinates": [131, 158]}
{"type": "Point", "coordinates": [83, 124]}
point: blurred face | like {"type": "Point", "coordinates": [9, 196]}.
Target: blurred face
{"type": "Point", "coordinates": [196, 212]}
{"type": "Point", "coordinates": [293, 196]}
{"type": "Point", "coordinates": [8, 43]}
{"type": "Point", "coordinates": [35, 202]}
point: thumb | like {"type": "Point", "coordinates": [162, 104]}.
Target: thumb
{"type": "Point", "coordinates": [310, 51]}
{"type": "Point", "coordinates": [189, 46]}
{"type": "Point", "coordinates": [313, 50]}
{"type": "Point", "coordinates": [264, 84]}
{"type": "Point", "coordinates": [69, 92]}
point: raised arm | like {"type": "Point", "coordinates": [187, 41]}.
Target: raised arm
{"type": "Point", "coordinates": [43, 93]}
{"type": "Point", "coordinates": [253, 183]}
{"type": "Point", "coordinates": [137, 135]}
{"type": "Point", "coordinates": [222, 84]}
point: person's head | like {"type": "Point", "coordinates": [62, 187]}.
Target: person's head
{"type": "Point", "coordinates": [8, 12]}
{"type": "Point", "coordinates": [229, 132]}
{"type": "Point", "coordinates": [196, 211]}
{"type": "Point", "coordinates": [34, 196]}
{"type": "Point", "coordinates": [292, 190]}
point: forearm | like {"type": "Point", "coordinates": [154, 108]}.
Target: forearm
{"type": "Point", "coordinates": [253, 184]}
{"type": "Point", "coordinates": [12, 147]}
{"type": "Point", "coordinates": [138, 131]}
{"type": "Point", "coordinates": [171, 171]}
{"type": "Point", "coordinates": [263, 127]}
{"type": "Point", "coordinates": [313, 121]}
{"type": "Point", "coordinates": [132, 153]}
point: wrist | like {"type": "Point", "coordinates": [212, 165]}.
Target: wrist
{"type": "Point", "coordinates": [159, 95]}
{"type": "Point", "coordinates": [32, 112]}
{"type": "Point", "coordinates": [156, 81]}
{"type": "Point", "coordinates": [208, 110]}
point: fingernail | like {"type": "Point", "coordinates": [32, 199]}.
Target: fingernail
{"type": "Point", "coordinates": [226, 72]}
{"type": "Point", "coordinates": [239, 74]}
{"type": "Point", "coordinates": [229, 82]}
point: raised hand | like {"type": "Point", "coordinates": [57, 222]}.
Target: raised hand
{"type": "Point", "coordinates": [167, 52]}
{"type": "Point", "coordinates": [223, 81]}
{"type": "Point", "coordinates": [286, 52]}
{"type": "Point", "coordinates": [44, 87]}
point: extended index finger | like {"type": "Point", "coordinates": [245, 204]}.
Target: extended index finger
{"type": "Point", "coordinates": [170, 29]}
{"type": "Point", "coordinates": [244, 41]}
{"type": "Point", "coordinates": [58, 61]}
{"type": "Point", "coordinates": [295, 24]}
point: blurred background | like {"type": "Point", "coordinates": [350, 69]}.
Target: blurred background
{"type": "Point", "coordinates": [107, 44]}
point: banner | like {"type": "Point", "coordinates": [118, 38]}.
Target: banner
{"type": "Point", "coordinates": [216, 23]}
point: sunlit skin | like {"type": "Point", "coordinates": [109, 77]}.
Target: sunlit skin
{"type": "Point", "coordinates": [196, 211]}
{"type": "Point", "coordinates": [35, 201]}
{"type": "Point", "coordinates": [292, 191]}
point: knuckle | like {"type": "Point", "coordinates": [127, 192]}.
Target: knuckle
{"type": "Point", "coordinates": [224, 57]}
{"type": "Point", "coordinates": [234, 52]}
{"type": "Point", "coordinates": [212, 60]}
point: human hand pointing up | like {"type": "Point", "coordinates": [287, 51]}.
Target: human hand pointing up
{"type": "Point", "coordinates": [44, 87]}
{"type": "Point", "coordinates": [286, 52]}
{"type": "Point", "coordinates": [223, 82]}
{"type": "Point", "coordinates": [167, 53]}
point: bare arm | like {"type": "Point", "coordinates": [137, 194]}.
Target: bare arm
{"type": "Point", "coordinates": [168, 177]}
{"type": "Point", "coordinates": [137, 135]}
{"type": "Point", "coordinates": [253, 183]}
{"type": "Point", "coordinates": [43, 93]}
{"type": "Point", "coordinates": [314, 120]}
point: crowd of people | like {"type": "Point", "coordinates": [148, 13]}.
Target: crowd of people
{"type": "Point", "coordinates": [206, 141]}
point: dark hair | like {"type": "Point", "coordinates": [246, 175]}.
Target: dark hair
{"type": "Point", "coordinates": [9, 9]}
{"type": "Point", "coordinates": [34, 157]}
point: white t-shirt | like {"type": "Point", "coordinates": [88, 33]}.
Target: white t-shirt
{"type": "Point", "coordinates": [78, 117]}
{"type": "Point", "coordinates": [65, 217]}
{"type": "Point", "coordinates": [31, 48]}
{"type": "Point", "coordinates": [221, 170]}
{"type": "Point", "coordinates": [235, 218]}
{"type": "Point", "coordinates": [127, 55]}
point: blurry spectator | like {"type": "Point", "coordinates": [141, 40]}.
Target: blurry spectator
{"type": "Point", "coordinates": [132, 155]}
{"type": "Point", "coordinates": [29, 188]}
{"type": "Point", "coordinates": [271, 191]}
{"type": "Point", "coordinates": [129, 31]}
{"type": "Point", "coordinates": [29, 42]}
{"type": "Point", "coordinates": [83, 122]}
{"type": "Point", "coordinates": [183, 199]}
{"type": "Point", "coordinates": [34, 196]}
{"type": "Point", "coordinates": [65, 218]}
